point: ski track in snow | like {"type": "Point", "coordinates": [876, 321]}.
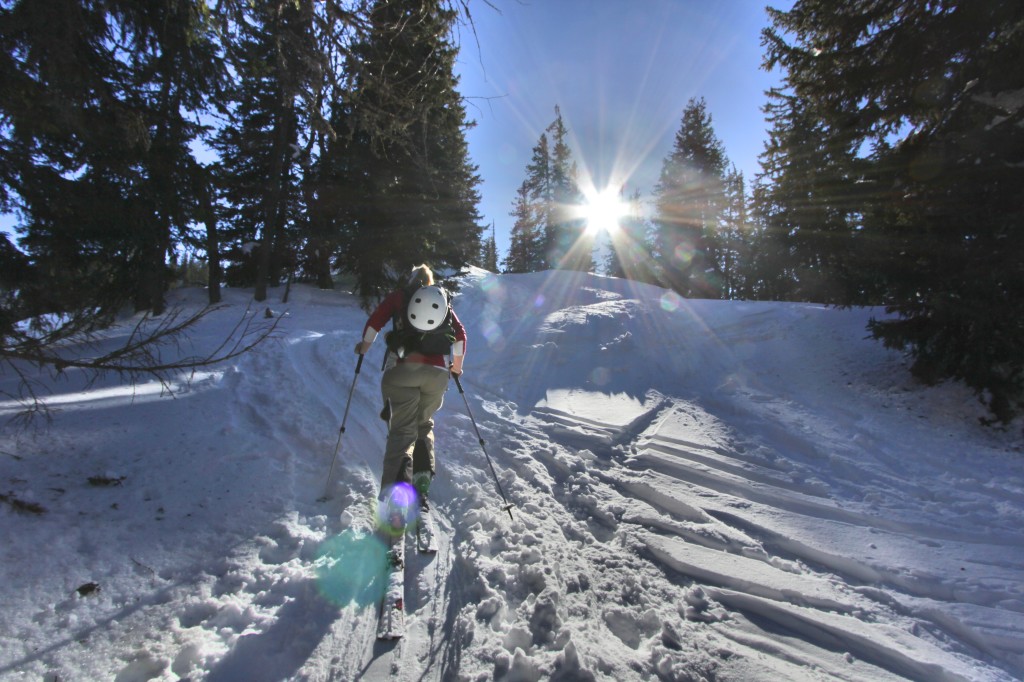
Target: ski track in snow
{"type": "Point", "coordinates": [703, 490]}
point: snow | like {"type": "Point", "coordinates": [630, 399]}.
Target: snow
{"type": "Point", "coordinates": [703, 490]}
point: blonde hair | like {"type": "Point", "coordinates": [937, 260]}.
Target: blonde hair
{"type": "Point", "coordinates": [422, 275]}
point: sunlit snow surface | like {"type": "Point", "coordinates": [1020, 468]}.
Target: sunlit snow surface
{"type": "Point", "coordinates": [702, 489]}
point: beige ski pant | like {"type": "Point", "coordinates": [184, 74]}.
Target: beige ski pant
{"type": "Point", "coordinates": [416, 391]}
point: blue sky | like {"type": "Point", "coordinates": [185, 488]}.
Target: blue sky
{"type": "Point", "coordinates": [621, 71]}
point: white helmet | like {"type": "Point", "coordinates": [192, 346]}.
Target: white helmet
{"type": "Point", "coordinates": [428, 308]}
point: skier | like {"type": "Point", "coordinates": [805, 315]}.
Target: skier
{"type": "Point", "coordinates": [415, 377]}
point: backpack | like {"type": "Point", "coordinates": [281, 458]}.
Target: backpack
{"type": "Point", "coordinates": [404, 338]}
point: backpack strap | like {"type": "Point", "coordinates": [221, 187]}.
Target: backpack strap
{"type": "Point", "coordinates": [399, 320]}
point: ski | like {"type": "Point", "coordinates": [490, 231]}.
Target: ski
{"type": "Point", "coordinates": [426, 537]}
{"type": "Point", "coordinates": [391, 623]}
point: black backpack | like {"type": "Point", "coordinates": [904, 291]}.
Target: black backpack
{"type": "Point", "coordinates": [404, 338]}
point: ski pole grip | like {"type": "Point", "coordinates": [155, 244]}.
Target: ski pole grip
{"type": "Point", "coordinates": [458, 383]}
{"type": "Point", "coordinates": [359, 364]}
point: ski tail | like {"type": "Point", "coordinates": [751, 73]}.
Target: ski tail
{"type": "Point", "coordinates": [426, 533]}
{"type": "Point", "coordinates": [391, 622]}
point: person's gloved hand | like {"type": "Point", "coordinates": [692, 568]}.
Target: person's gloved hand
{"type": "Point", "coordinates": [363, 347]}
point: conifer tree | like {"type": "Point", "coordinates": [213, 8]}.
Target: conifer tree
{"type": "Point", "coordinates": [96, 109]}
{"type": "Point", "coordinates": [489, 254]}
{"type": "Point", "coordinates": [926, 98]}
{"type": "Point", "coordinates": [99, 108]}
{"type": "Point", "coordinates": [525, 252]}
{"type": "Point", "coordinates": [689, 201]}
{"type": "Point", "coordinates": [765, 271]}
{"type": "Point", "coordinates": [537, 193]}
{"type": "Point", "coordinates": [177, 71]}
{"type": "Point", "coordinates": [553, 192]}
{"type": "Point", "coordinates": [810, 203]}
{"type": "Point", "coordinates": [567, 245]}
{"type": "Point", "coordinates": [630, 254]}
{"type": "Point", "coordinates": [412, 188]}
{"type": "Point", "coordinates": [734, 251]}
{"type": "Point", "coordinates": [258, 173]}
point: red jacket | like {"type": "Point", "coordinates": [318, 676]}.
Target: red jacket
{"type": "Point", "coordinates": [383, 313]}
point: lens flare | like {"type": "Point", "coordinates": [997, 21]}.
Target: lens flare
{"type": "Point", "coordinates": [491, 285]}
{"type": "Point", "coordinates": [683, 254]}
{"type": "Point", "coordinates": [398, 507]}
{"type": "Point", "coordinates": [494, 334]}
{"type": "Point", "coordinates": [600, 376]}
{"type": "Point", "coordinates": [347, 566]}
{"type": "Point", "coordinates": [671, 301]}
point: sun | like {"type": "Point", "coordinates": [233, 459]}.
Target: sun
{"type": "Point", "coordinates": [602, 210]}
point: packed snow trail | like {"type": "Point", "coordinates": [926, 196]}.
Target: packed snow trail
{"type": "Point", "coordinates": [703, 490]}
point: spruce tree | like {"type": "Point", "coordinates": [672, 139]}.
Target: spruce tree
{"type": "Point", "coordinates": [258, 174]}
{"type": "Point", "coordinates": [630, 255]}
{"type": "Point", "coordinates": [537, 193]}
{"type": "Point", "coordinates": [921, 102]}
{"type": "Point", "coordinates": [96, 105]}
{"type": "Point", "coordinates": [525, 252]}
{"type": "Point", "coordinates": [489, 254]}
{"type": "Point", "coordinates": [689, 200]}
{"type": "Point", "coordinates": [734, 251]}
{"type": "Point", "coordinates": [411, 184]}
{"type": "Point", "coordinates": [178, 71]}
{"type": "Point", "coordinates": [100, 110]}
{"type": "Point", "coordinates": [810, 203]}
{"type": "Point", "coordinates": [568, 246]}
{"type": "Point", "coordinates": [554, 195]}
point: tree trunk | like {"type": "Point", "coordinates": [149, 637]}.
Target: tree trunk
{"type": "Point", "coordinates": [272, 213]}
{"type": "Point", "coordinates": [214, 269]}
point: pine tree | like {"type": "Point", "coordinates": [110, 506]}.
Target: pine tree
{"type": "Point", "coordinates": [411, 188]}
{"type": "Point", "coordinates": [689, 201]}
{"type": "Point", "coordinates": [567, 245]}
{"type": "Point", "coordinates": [620, 249]}
{"type": "Point", "coordinates": [734, 251]}
{"type": "Point", "coordinates": [553, 194]}
{"type": "Point", "coordinates": [258, 173]}
{"type": "Point", "coordinates": [538, 194]}
{"type": "Point", "coordinates": [810, 203]}
{"type": "Point", "coordinates": [525, 252]}
{"type": "Point", "coordinates": [925, 98]}
{"type": "Point", "coordinates": [96, 108]}
{"type": "Point", "coordinates": [489, 254]}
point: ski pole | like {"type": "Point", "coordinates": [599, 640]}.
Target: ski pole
{"type": "Point", "coordinates": [341, 431]}
{"type": "Point", "coordinates": [508, 506]}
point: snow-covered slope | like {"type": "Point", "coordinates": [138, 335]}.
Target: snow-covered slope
{"type": "Point", "coordinates": [703, 490]}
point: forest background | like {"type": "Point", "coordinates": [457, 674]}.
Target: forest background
{"type": "Point", "coordinates": [148, 145]}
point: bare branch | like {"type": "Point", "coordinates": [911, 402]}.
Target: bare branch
{"type": "Point", "coordinates": [144, 353]}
